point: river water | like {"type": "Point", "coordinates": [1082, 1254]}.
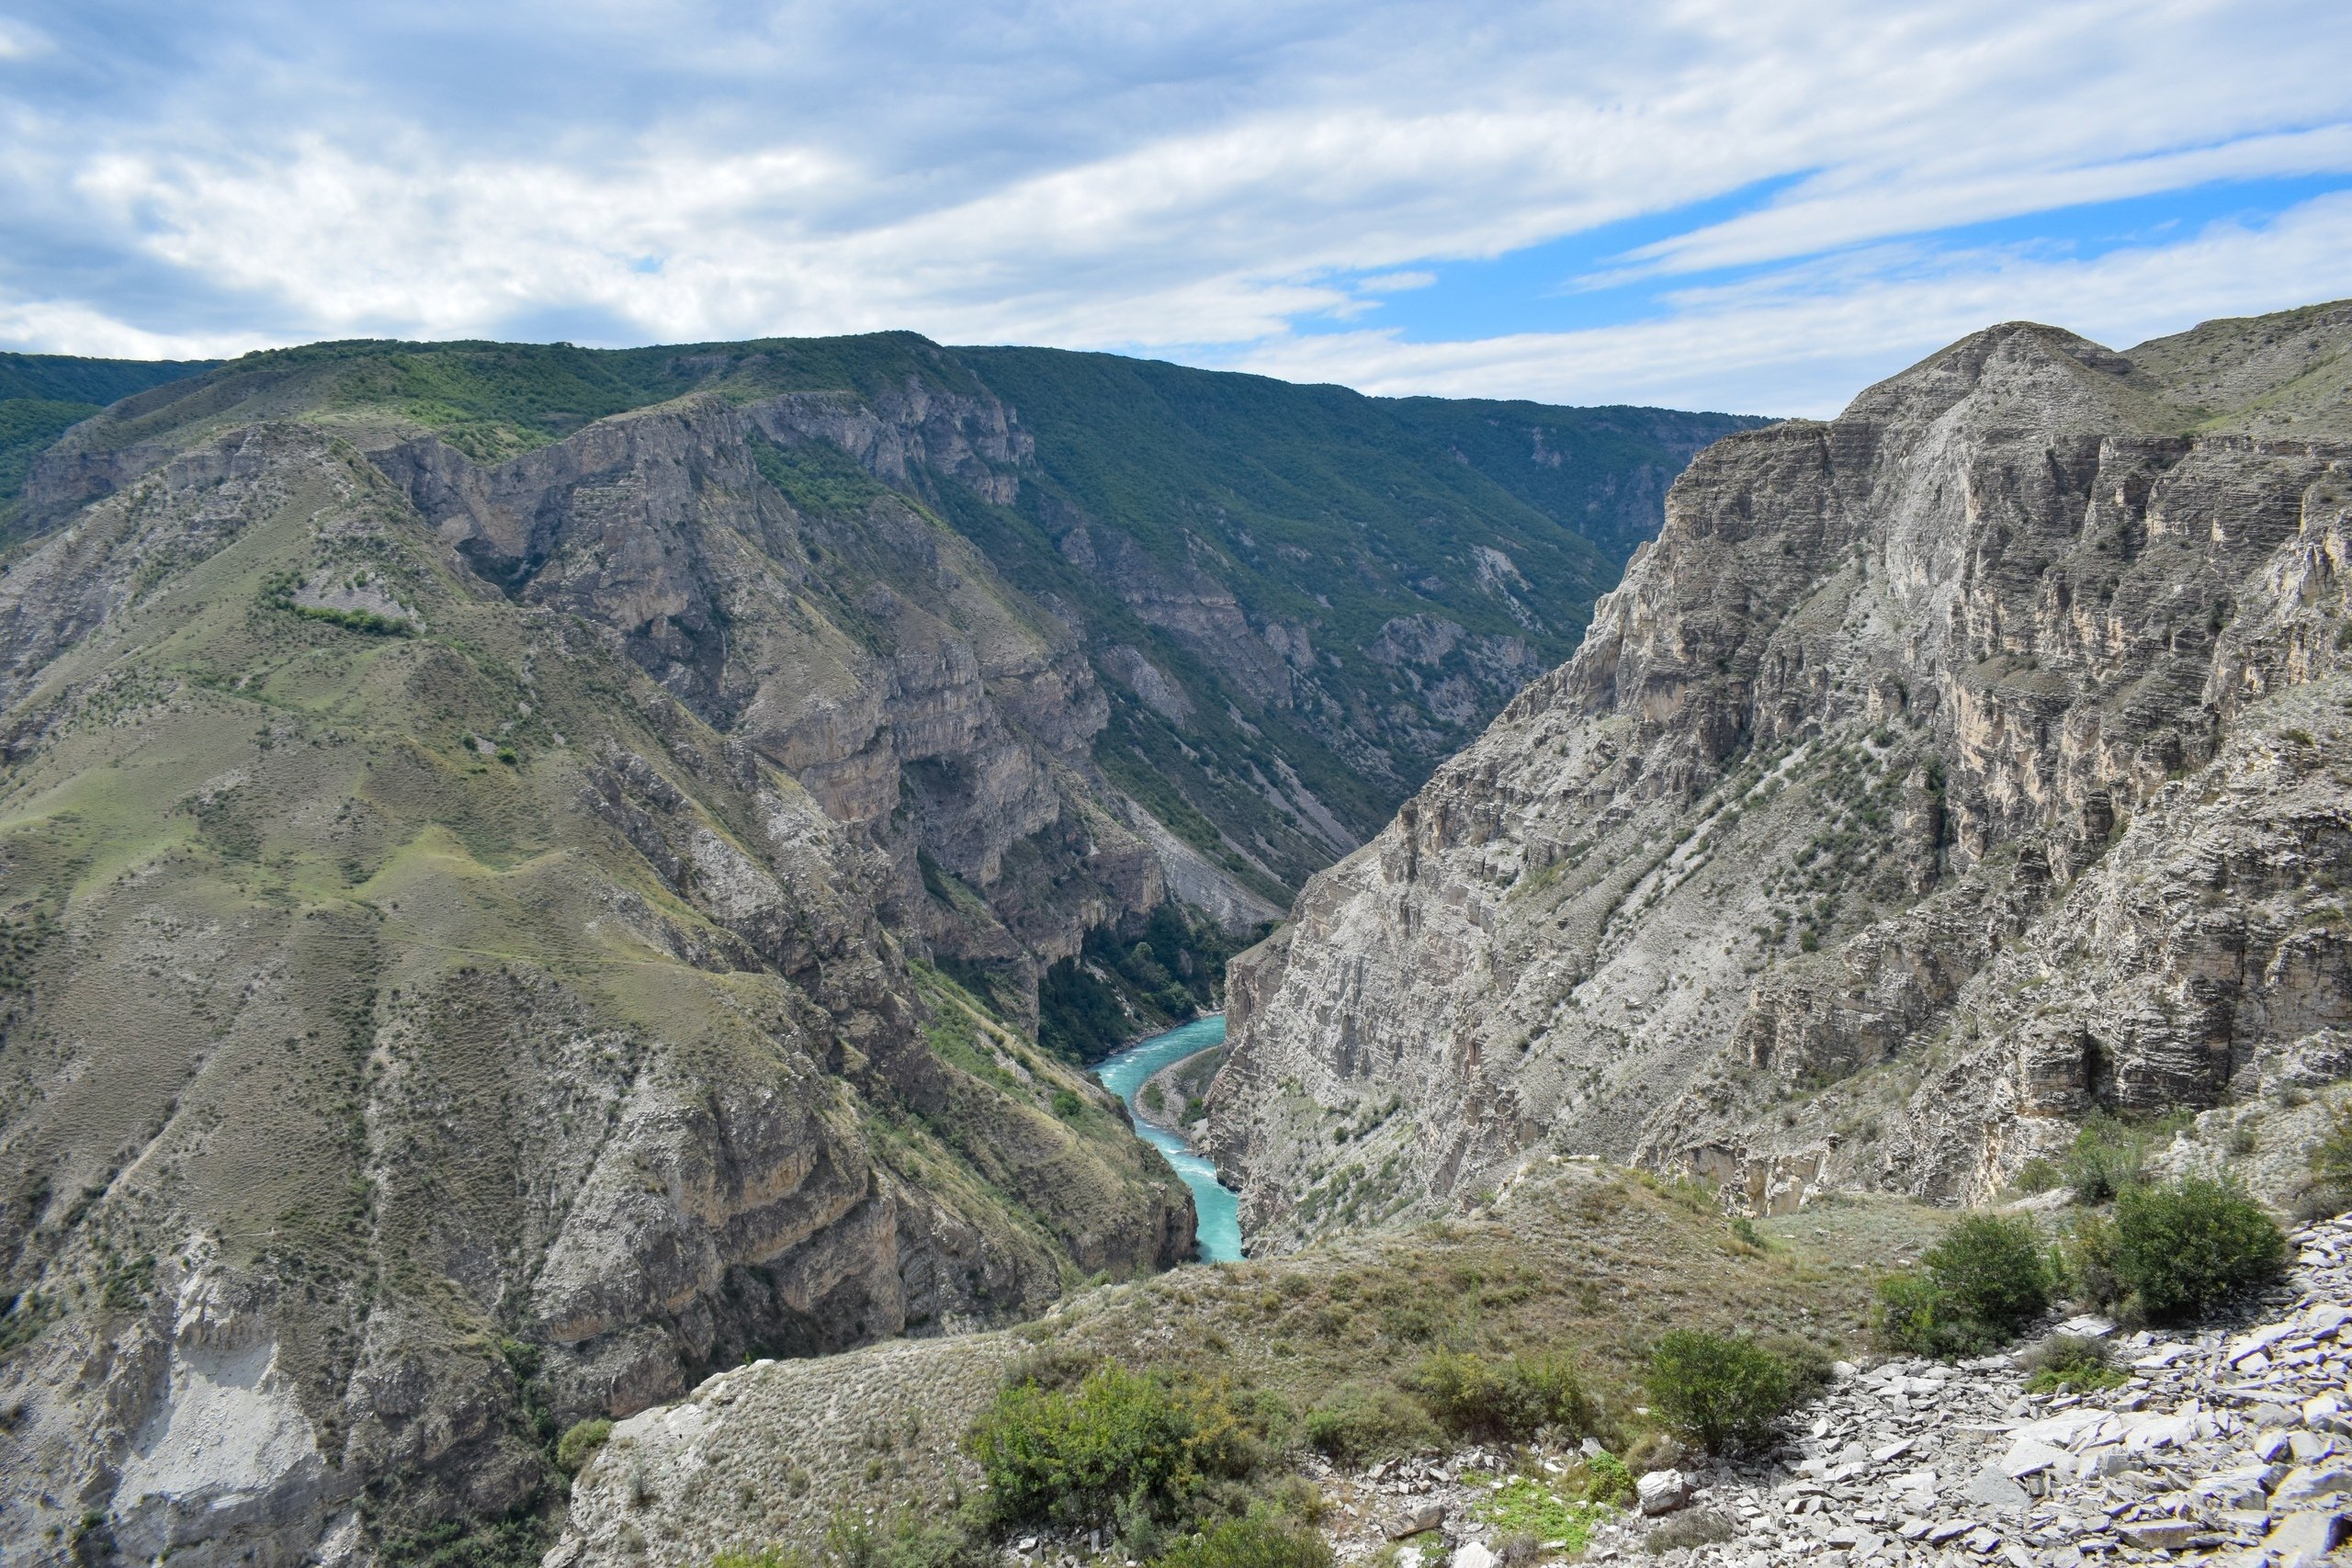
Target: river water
{"type": "Point", "coordinates": [1123, 1075]}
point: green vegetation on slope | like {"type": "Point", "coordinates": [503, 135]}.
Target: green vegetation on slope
{"type": "Point", "coordinates": [1165, 1410]}
{"type": "Point", "coordinates": [1118, 989]}
{"type": "Point", "coordinates": [43, 395]}
{"type": "Point", "coordinates": [321, 945]}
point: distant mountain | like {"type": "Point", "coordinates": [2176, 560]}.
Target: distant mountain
{"type": "Point", "coordinates": [528, 875]}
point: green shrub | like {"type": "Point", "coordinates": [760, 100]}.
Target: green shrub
{"type": "Point", "coordinates": [1525, 1510]}
{"type": "Point", "coordinates": [1066, 1104]}
{"type": "Point", "coordinates": [578, 1444]}
{"type": "Point", "coordinates": [2106, 1158]}
{"type": "Point", "coordinates": [1722, 1393]}
{"type": "Point", "coordinates": [1992, 1273]}
{"type": "Point", "coordinates": [1120, 1444]}
{"type": "Point", "coordinates": [765, 1557]}
{"type": "Point", "coordinates": [2187, 1247]}
{"type": "Point", "coordinates": [2331, 1159]}
{"type": "Point", "coordinates": [1976, 1288]}
{"type": "Point", "coordinates": [1257, 1540]}
{"type": "Point", "coordinates": [1354, 1425]}
{"type": "Point", "coordinates": [1506, 1400]}
{"type": "Point", "coordinates": [2036, 1174]}
{"type": "Point", "coordinates": [2073, 1364]}
{"type": "Point", "coordinates": [1911, 1317]}
{"type": "Point", "coordinates": [2088, 1257]}
{"type": "Point", "coordinates": [903, 1540]}
{"type": "Point", "coordinates": [1600, 1478]}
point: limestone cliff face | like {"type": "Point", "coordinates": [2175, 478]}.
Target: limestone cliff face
{"type": "Point", "coordinates": [866, 649]}
{"type": "Point", "coordinates": [1941, 774]}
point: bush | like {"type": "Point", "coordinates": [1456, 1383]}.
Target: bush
{"type": "Point", "coordinates": [1523, 1508]}
{"type": "Point", "coordinates": [1067, 1105]}
{"type": "Point", "coordinates": [2106, 1158]}
{"type": "Point", "coordinates": [1724, 1393]}
{"type": "Point", "coordinates": [578, 1444]}
{"type": "Point", "coordinates": [2036, 1174]}
{"type": "Point", "coordinates": [2331, 1159]}
{"type": "Point", "coordinates": [1508, 1401]}
{"type": "Point", "coordinates": [903, 1541]}
{"type": "Point", "coordinates": [1974, 1290]}
{"type": "Point", "coordinates": [2093, 1271]}
{"type": "Point", "coordinates": [1992, 1271]}
{"type": "Point", "coordinates": [1911, 1317]}
{"type": "Point", "coordinates": [1258, 1540]}
{"type": "Point", "coordinates": [1121, 1445]}
{"type": "Point", "coordinates": [2071, 1364]}
{"type": "Point", "coordinates": [1354, 1425]}
{"type": "Point", "coordinates": [2187, 1247]}
{"type": "Point", "coordinates": [1600, 1478]}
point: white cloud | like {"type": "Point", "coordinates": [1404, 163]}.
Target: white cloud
{"type": "Point", "coordinates": [1119, 176]}
{"type": "Point", "coordinates": [1788, 344]}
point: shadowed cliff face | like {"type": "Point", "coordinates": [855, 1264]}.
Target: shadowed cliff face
{"type": "Point", "coordinates": [1942, 773]}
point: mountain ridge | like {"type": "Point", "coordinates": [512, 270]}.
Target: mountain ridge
{"type": "Point", "coordinates": [1748, 887]}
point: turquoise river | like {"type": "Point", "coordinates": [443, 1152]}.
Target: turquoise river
{"type": "Point", "coordinates": [1123, 1075]}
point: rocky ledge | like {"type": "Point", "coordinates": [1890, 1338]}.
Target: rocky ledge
{"type": "Point", "coordinates": [2228, 1445]}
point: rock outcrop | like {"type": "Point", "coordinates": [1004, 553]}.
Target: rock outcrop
{"type": "Point", "coordinates": [2229, 1440]}
{"type": "Point", "coordinates": [1940, 775]}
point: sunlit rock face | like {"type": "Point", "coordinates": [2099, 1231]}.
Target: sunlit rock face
{"type": "Point", "coordinates": [1942, 774]}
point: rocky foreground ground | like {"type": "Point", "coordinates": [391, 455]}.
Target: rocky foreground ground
{"type": "Point", "coordinates": [2232, 1444]}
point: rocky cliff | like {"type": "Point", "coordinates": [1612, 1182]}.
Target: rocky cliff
{"type": "Point", "coordinates": [1062, 635]}
{"type": "Point", "coordinates": [1941, 774]}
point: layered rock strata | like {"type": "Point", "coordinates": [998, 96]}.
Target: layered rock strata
{"type": "Point", "coordinates": [1942, 774]}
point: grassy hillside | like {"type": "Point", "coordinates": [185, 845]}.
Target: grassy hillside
{"type": "Point", "coordinates": [1580, 1262]}
{"type": "Point", "coordinates": [422, 979]}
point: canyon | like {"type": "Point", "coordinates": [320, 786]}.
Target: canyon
{"type": "Point", "coordinates": [531, 875]}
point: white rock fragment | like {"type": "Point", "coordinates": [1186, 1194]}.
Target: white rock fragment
{"type": "Point", "coordinates": [1662, 1491]}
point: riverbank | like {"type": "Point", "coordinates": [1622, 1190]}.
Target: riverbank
{"type": "Point", "coordinates": [1174, 1097]}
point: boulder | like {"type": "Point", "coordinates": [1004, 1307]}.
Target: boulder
{"type": "Point", "coordinates": [1418, 1517]}
{"type": "Point", "coordinates": [2160, 1535]}
{"type": "Point", "coordinates": [2303, 1540]}
{"type": "Point", "coordinates": [1662, 1491]}
{"type": "Point", "coordinates": [1993, 1489]}
{"type": "Point", "coordinates": [2310, 1483]}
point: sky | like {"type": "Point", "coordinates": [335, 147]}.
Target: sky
{"type": "Point", "coordinates": [1741, 205]}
